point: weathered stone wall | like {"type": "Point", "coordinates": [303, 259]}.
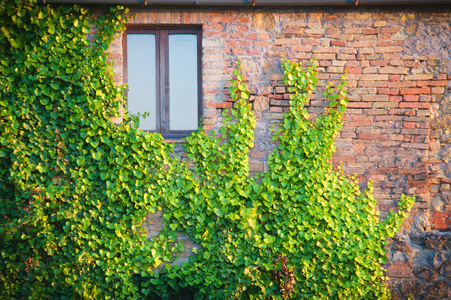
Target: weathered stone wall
{"type": "Point", "coordinates": [397, 126]}
{"type": "Point", "coordinates": [420, 266]}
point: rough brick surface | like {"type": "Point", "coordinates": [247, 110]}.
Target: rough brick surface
{"type": "Point", "coordinates": [398, 126]}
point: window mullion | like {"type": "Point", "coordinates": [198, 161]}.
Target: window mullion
{"type": "Point", "coordinates": [164, 81]}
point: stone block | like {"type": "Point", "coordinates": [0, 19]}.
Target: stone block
{"type": "Point", "coordinates": [432, 241]}
{"type": "Point", "coordinates": [399, 270]}
{"type": "Point", "coordinates": [437, 258]}
{"type": "Point", "coordinates": [261, 103]}
{"type": "Point", "coordinates": [445, 269]}
{"type": "Point", "coordinates": [411, 287]}
{"type": "Point", "coordinates": [441, 288]}
{"type": "Point", "coordinates": [437, 204]}
{"type": "Point", "coordinates": [431, 297]}
{"type": "Point", "coordinates": [426, 273]}
{"type": "Point", "coordinates": [401, 245]}
{"type": "Point", "coordinates": [255, 166]}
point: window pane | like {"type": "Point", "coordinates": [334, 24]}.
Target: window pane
{"type": "Point", "coordinates": [183, 82]}
{"type": "Point", "coordinates": [141, 78]}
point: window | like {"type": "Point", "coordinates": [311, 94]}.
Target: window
{"type": "Point", "coordinates": [162, 68]}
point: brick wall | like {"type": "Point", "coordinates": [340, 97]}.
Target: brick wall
{"type": "Point", "coordinates": [397, 126]}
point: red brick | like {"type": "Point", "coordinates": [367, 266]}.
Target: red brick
{"type": "Point", "coordinates": [396, 111]}
{"type": "Point", "coordinates": [418, 183]}
{"type": "Point", "coordinates": [362, 44]}
{"type": "Point", "coordinates": [250, 36]}
{"type": "Point", "coordinates": [372, 136]}
{"type": "Point", "coordinates": [393, 70]}
{"type": "Point", "coordinates": [394, 78]}
{"type": "Point", "coordinates": [414, 105]}
{"type": "Point", "coordinates": [338, 43]}
{"type": "Point", "coordinates": [220, 19]}
{"type": "Point", "coordinates": [344, 159]}
{"type": "Point", "coordinates": [388, 91]}
{"type": "Point", "coordinates": [361, 118]}
{"type": "Point", "coordinates": [242, 19]}
{"type": "Point", "coordinates": [326, 56]}
{"type": "Point", "coordinates": [441, 227]}
{"type": "Point", "coordinates": [396, 62]}
{"type": "Point", "coordinates": [422, 190]}
{"type": "Point", "coordinates": [261, 43]}
{"type": "Point", "coordinates": [231, 43]}
{"type": "Point", "coordinates": [417, 139]}
{"type": "Point", "coordinates": [384, 36]}
{"type": "Point", "coordinates": [347, 57]}
{"type": "Point", "coordinates": [402, 84]}
{"type": "Point", "coordinates": [263, 36]}
{"type": "Point", "coordinates": [435, 162]}
{"type": "Point", "coordinates": [411, 98]}
{"type": "Point", "coordinates": [216, 34]}
{"type": "Point", "coordinates": [256, 154]}
{"type": "Point", "coordinates": [217, 26]}
{"type": "Point", "coordinates": [416, 91]}
{"type": "Point", "coordinates": [376, 84]}
{"type": "Point", "coordinates": [359, 105]}
{"type": "Point", "coordinates": [370, 31]}
{"type": "Point", "coordinates": [386, 207]}
{"type": "Point", "coordinates": [422, 146]}
{"type": "Point", "coordinates": [395, 99]}
{"type": "Point", "coordinates": [437, 220]}
{"type": "Point", "coordinates": [359, 124]}
{"type": "Point", "coordinates": [242, 28]}
{"type": "Point", "coordinates": [412, 64]}
{"type": "Point", "coordinates": [236, 35]}
{"type": "Point", "coordinates": [389, 43]}
{"type": "Point", "coordinates": [289, 31]}
{"type": "Point", "coordinates": [421, 83]}
{"type": "Point", "coordinates": [389, 49]}
{"type": "Point", "coordinates": [441, 214]}
{"type": "Point", "coordinates": [237, 50]}
{"type": "Point", "coordinates": [360, 57]}
{"type": "Point", "coordinates": [409, 125]}
{"type": "Point", "coordinates": [353, 70]}
{"type": "Point", "coordinates": [391, 29]}
{"type": "Point", "coordinates": [225, 104]}
{"type": "Point", "coordinates": [379, 63]}
{"type": "Point", "coordinates": [332, 31]}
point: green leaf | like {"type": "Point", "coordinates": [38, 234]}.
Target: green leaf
{"type": "Point", "coordinates": [218, 212]}
{"type": "Point", "coordinates": [97, 155]}
{"type": "Point", "coordinates": [41, 168]}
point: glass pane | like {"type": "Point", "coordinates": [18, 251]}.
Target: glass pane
{"type": "Point", "coordinates": [183, 98]}
{"type": "Point", "coordinates": [141, 78]}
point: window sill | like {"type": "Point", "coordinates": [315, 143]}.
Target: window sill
{"type": "Point", "coordinates": [175, 141]}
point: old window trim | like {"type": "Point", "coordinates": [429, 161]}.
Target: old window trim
{"type": "Point", "coordinates": [162, 65]}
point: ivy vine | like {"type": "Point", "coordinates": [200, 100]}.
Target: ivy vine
{"type": "Point", "coordinates": [75, 188]}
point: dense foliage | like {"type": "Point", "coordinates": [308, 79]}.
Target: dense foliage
{"type": "Point", "coordinates": [74, 187]}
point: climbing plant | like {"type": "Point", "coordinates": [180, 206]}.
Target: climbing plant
{"type": "Point", "coordinates": [75, 188]}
